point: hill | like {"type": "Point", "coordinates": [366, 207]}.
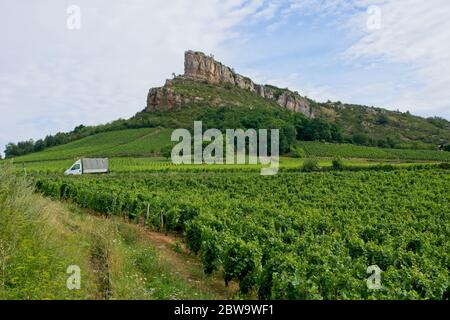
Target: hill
{"type": "Point", "coordinates": [147, 133]}
{"type": "Point", "coordinates": [345, 150]}
{"type": "Point", "coordinates": [207, 82]}
{"type": "Point", "coordinates": [379, 127]}
{"type": "Point", "coordinates": [129, 142]}
{"type": "Point", "coordinates": [221, 98]}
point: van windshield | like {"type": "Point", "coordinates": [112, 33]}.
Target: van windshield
{"type": "Point", "coordinates": [76, 167]}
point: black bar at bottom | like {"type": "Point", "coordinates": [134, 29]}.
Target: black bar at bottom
{"type": "Point", "coordinates": [226, 309]}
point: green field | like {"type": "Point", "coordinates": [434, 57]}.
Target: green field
{"type": "Point", "coordinates": [159, 164]}
{"type": "Point", "coordinates": [318, 149]}
{"type": "Point", "coordinates": [148, 142]}
{"type": "Point", "coordinates": [357, 187]}
{"type": "Point", "coordinates": [40, 239]}
{"type": "Point", "coordinates": [131, 142]}
{"type": "Point", "coordinates": [293, 235]}
{"type": "Point", "coordinates": [135, 150]}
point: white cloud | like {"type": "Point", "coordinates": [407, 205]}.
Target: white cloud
{"type": "Point", "coordinates": [415, 33]}
{"type": "Point", "coordinates": [322, 8]}
{"type": "Point", "coordinates": [305, 87]}
{"type": "Point", "coordinates": [52, 78]}
{"type": "Point", "coordinates": [414, 37]}
{"type": "Point", "coordinates": [268, 12]}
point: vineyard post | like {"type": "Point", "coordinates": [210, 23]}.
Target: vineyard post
{"type": "Point", "coordinates": [111, 209]}
{"type": "Point", "coordinates": [24, 168]}
{"type": "Point", "coordinates": [147, 214]}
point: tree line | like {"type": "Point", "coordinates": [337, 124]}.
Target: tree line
{"type": "Point", "coordinates": [293, 126]}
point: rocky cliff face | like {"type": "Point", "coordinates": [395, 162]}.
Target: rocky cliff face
{"type": "Point", "coordinates": [199, 67]}
{"type": "Point", "coordinates": [203, 68]}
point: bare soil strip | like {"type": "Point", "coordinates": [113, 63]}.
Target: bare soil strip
{"type": "Point", "coordinates": [173, 253]}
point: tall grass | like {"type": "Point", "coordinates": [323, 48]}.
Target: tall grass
{"type": "Point", "coordinates": [34, 252]}
{"type": "Point", "coordinates": [40, 239]}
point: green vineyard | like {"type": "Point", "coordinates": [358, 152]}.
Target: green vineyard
{"type": "Point", "coordinates": [318, 149]}
{"type": "Point", "coordinates": [131, 142]}
{"type": "Point", "coordinates": [294, 235]}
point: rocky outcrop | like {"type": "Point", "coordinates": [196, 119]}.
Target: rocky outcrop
{"type": "Point", "coordinates": [165, 98]}
{"type": "Point", "coordinates": [295, 102]}
{"type": "Point", "coordinates": [199, 67]}
{"type": "Point", "coordinates": [203, 68]}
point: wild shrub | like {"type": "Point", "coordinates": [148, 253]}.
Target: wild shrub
{"type": "Point", "coordinates": [310, 165]}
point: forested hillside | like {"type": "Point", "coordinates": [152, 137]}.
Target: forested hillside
{"type": "Point", "coordinates": [227, 106]}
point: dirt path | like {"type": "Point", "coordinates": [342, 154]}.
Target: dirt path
{"type": "Point", "coordinates": [176, 258]}
{"type": "Point", "coordinates": [182, 263]}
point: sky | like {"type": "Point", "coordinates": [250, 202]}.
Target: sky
{"type": "Point", "coordinates": [65, 63]}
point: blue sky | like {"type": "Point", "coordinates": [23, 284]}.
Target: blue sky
{"type": "Point", "coordinates": [393, 54]}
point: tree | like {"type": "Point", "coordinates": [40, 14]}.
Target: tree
{"type": "Point", "coordinates": [39, 145]}
{"type": "Point", "coordinates": [287, 134]}
{"type": "Point", "coordinates": [360, 138]}
{"type": "Point", "coordinates": [337, 164]}
{"type": "Point", "coordinates": [298, 152]}
{"type": "Point", "coordinates": [287, 137]}
{"type": "Point", "coordinates": [49, 141]}
{"type": "Point", "coordinates": [336, 133]}
{"type": "Point", "coordinates": [11, 150]}
{"type": "Point", "coordinates": [228, 86]}
{"type": "Point", "coordinates": [19, 149]}
{"type": "Point", "coordinates": [392, 142]}
{"type": "Point", "coordinates": [79, 128]}
{"type": "Point", "coordinates": [382, 143]}
{"type": "Point", "coordinates": [317, 129]}
{"type": "Point", "coordinates": [382, 119]}
{"type": "Point", "coordinates": [166, 152]}
{"type": "Point", "coordinates": [309, 165]}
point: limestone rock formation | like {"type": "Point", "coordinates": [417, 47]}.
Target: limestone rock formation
{"type": "Point", "coordinates": [199, 67]}
{"type": "Point", "coordinates": [203, 68]}
{"type": "Point", "coordinates": [165, 98]}
{"type": "Point", "coordinates": [293, 101]}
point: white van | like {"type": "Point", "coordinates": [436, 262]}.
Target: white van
{"type": "Point", "coordinates": [88, 165]}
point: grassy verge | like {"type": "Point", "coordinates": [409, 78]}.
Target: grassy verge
{"type": "Point", "coordinates": [40, 239]}
{"type": "Point", "coordinates": [158, 164]}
